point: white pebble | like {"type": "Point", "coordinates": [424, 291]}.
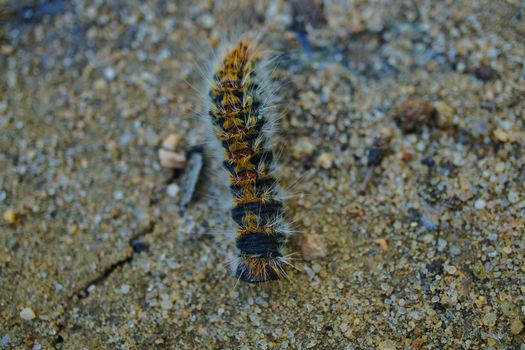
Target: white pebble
{"type": "Point", "coordinates": [428, 238]}
{"type": "Point", "coordinates": [118, 195]}
{"type": "Point", "coordinates": [124, 289]}
{"type": "Point", "coordinates": [27, 313]}
{"type": "Point", "coordinates": [172, 190]}
{"type": "Point", "coordinates": [500, 167]}
{"type": "Point", "coordinates": [109, 73]}
{"type": "Point", "coordinates": [479, 204]}
{"type": "Point", "coordinates": [206, 20]}
{"type": "Point", "coordinates": [450, 269]}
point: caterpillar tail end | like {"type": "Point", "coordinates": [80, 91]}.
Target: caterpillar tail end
{"type": "Point", "coordinates": [259, 269]}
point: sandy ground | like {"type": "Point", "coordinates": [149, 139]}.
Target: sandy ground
{"type": "Point", "coordinates": [421, 247]}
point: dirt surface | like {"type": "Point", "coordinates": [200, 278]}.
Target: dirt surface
{"type": "Point", "coordinates": [402, 138]}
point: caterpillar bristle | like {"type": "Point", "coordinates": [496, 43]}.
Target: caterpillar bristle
{"type": "Point", "coordinates": [241, 107]}
{"type": "Point", "coordinates": [259, 269]}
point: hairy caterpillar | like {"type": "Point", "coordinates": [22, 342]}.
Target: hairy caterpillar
{"type": "Point", "coordinates": [241, 110]}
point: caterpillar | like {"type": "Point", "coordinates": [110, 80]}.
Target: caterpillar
{"type": "Point", "coordinates": [242, 114]}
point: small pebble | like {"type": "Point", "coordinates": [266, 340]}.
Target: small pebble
{"type": "Point", "coordinates": [325, 160]}
{"type": "Point", "coordinates": [109, 73]}
{"type": "Point", "coordinates": [377, 151]}
{"type": "Point", "coordinates": [454, 250]}
{"type": "Point", "coordinates": [349, 334]}
{"type": "Point", "coordinates": [5, 340]}
{"type": "Point", "coordinates": [382, 243]}
{"type": "Point", "coordinates": [485, 73]}
{"type": "Point", "coordinates": [489, 319]}
{"type": "Point", "coordinates": [100, 85]}
{"type": "Point", "coordinates": [206, 20]}
{"type": "Point", "coordinates": [118, 195]}
{"type": "Point", "coordinates": [10, 216]}
{"type": "Point", "coordinates": [516, 326]}
{"type": "Point", "coordinates": [513, 197]}
{"type": "Point", "coordinates": [501, 135]}
{"type": "Point", "coordinates": [450, 269]}
{"type": "Point", "coordinates": [27, 314]}
{"type": "Point", "coordinates": [445, 114]}
{"type": "Point", "coordinates": [172, 190]}
{"type": "Point", "coordinates": [387, 345]}
{"type": "Point", "coordinates": [442, 244]}
{"type": "Point", "coordinates": [479, 204]}
{"type": "Point", "coordinates": [309, 272]}
{"type": "Point", "coordinates": [168, 156]}
{"type": "Point", "coordinates": [413, 114]}
{"type": "Point", "coordinates": [303, 146]}
{"type": "Point", "coordinates": [430, 220]}
{"type": "Point", "coordinates": [313, 247]}
{"type": "Point", "coordinates": [407, 156]}
{"type": "Point", "coordinates": [124, 289]}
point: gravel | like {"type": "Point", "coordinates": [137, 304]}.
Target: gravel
{"type": "Point", "coordinates": [429, 256]}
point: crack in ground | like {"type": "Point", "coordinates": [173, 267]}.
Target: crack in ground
{"type": "Point", "coordinates": [83, 292]}
{"type": "Point", "coordinates": [195, 156]}
{"type": "Point", "coordinates": [138, 247]}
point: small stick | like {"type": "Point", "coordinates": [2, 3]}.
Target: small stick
{"type": "Point", "coordinates": [191, 177]}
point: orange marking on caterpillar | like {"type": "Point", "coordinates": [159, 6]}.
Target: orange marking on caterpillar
{"type": "Point", "coordinates": [239, 112]}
